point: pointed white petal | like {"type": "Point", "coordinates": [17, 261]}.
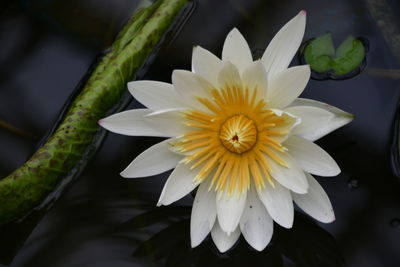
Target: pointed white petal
{"type": "Point", "coordinates": [284, 45]}
{"type": "Point", "coordinates": [189, 86]}
{"type": "Point", "coordinates": [278, 202]}
{"type": "Point", "coordinates": [229, 76]}
{"type": "Point", "coordinates": [131, 122]}
{"type": "Point", "coordinates": [316, 202]}
{"type": "Point", "coordinates": [156, 159]}
{"type": "Point", "coordinates": [168, 121]}
{"type": "Point", "coordinates": [256, 225]}
{"type": "Point", "coordinates": [230, 209]}
{"type": "Point", "coordinates": [292, 177]}
{"type": "Point", "coordinates": [179, 184]}
{"type": "Point", "coordinates": [222, 240]}
{"type": "Point", "coordinates": [206, 64]}
{"type": "Point", "coordinates": [340, 119]}
{"type": "Point", "coordinates": [204, 213]}
{"type": "Point", "coordinates": [311, 157]}
{"type": "Point", "coordinates": [255, 76]}
{"type": "Point", "coordinates": [155, 95]}
{"type": "Point", "coordinates": [236, 50]}
{"type": "Point", "coordinates": [314, 121]}
{"type": "Point", "coordinates": [286, 86]}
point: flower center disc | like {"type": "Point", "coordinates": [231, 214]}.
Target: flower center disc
{"type": "Point", "coordinates": [238, 134]}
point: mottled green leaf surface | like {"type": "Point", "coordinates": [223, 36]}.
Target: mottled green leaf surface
{"type": "Point", "coordinates": [349, 56]}
{"type": "Point", "coordinates": [29, 185]}
{"type": "Point", "coordinates": [320, 54]}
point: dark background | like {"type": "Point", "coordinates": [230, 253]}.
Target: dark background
{"type": "Point", "coordinates": [48, 45]}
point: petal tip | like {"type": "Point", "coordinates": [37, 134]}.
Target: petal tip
{"type": "Point", "coordinates": [193, 243]}
{"type": "Point", "coordinates": [286, 224]}
{"type": "Point", "coordinates": [334, 170]}
{"type": "Point", "coordinates": [222, 248]}
{"type": "Point", "coordinates": [259, 247]}
{"type": "Point", "coordinates": [123, 174]}
{"type": "Point", "coordinates": [330, 218]}
{"type": "Point", "coordinates": [233, 31]}
{"type": "Point", "coordinates": [350, 116]}
{"type": "Point", "coordinates": [104, 124]}
{"type": "Point", "coordinates": [195, 47]}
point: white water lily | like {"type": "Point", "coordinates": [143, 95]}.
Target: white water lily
{"type": "Point", "coordinates": [238, 131]}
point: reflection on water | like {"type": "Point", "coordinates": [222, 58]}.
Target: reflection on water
{"type": "Point", "coordinates": [306, 244]}
{"type": "Point", "coordinates": [40, 65]}
{"type": "Point", "coordinates": [395, 223]}
{"type": "Point", "coordinates": [353, 183]}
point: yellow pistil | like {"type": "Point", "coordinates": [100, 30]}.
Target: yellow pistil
{"type": "Point", "coordinates": [234, 142]}
{"type": "Point", "coordinates": [238, 134]}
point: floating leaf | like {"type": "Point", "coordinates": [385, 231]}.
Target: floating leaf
{"type": "Point", "coordinates": [349, 56]}
{"type": "Point", "coordinates": [324, 60]}
{"type": "Point", "coordinates": [318, 53]}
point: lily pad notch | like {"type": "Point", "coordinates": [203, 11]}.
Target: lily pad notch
{"type": "Point", "coordinates": [326, 62]}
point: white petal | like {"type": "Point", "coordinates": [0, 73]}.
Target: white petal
{"type": "Point", "coordinates": [255, 76]}
{"type": "Point", "coordinates": [278, 202]}
{"type": "Point", "coordinates": [206, 64]}
{"type": "Point", "coordinates": [340, 118]}
{"type": "Point", "coordinates": [230, 209]}
{"type": "Point", "coordinates": [131, 122]}
{"type": "Point", "coordinates": [179, 184]}
{"type": "Point", "coordinates": [286, 86]}
{"type": "Point", "coordinates": [168, 121]}
{"type": "Point", "coordinates": [256, 225]}
{"type": "Point", "coordinates": [156, 159]}
{"type": "Point", "coordinates": [291, 177]}
{"type": "Point", "coordinates": [155, 95]}
{"type": "Point", "coordinates": [189, 86]}
{"type": "Point", "coordinates": [236, 50]}
{"type": "Point", "coordinates": [290, 122]}
{"type": "Point", "coordinates": [229, 76]}
{"type": "Point", "coordinates": [311, 157]}
{"type": "Point", "coordinates": [314, 121]}
{"type": "Point", "coordinates": [203, 215]}
{"type": "Point", "coordinates": [284, 45]}
{"type": "Point", "coordinates": [222, 240]}
{"type": "Point", "coordinates": [316, 202]}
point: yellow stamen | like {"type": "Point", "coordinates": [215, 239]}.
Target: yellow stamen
{"type": "Point", "coordinates": [234, 142]}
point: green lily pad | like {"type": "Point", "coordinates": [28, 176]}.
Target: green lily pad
{"type": "Point", "coordinates": [322, 57]}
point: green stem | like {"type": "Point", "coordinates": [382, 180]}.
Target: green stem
{"type": "Point", "coordinates": [29, 185]}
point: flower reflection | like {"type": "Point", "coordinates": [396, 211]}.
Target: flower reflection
{"type": "Point", "coordinates": [306, 244]}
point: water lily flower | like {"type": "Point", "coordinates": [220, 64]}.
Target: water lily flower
{"type": "Point", "coordinates": [237, 132]}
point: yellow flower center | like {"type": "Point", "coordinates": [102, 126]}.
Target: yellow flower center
{"type": "Point", "coordinates": [238, 134]}
{"type": "Point", "coordinates": [234, 139]}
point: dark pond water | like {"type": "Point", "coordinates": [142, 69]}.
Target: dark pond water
{"type": "Point", "coordinates": [47, 46]}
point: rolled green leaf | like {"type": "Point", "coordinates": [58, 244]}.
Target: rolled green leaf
{"type": "Point", "coordinates": [28, 186]}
